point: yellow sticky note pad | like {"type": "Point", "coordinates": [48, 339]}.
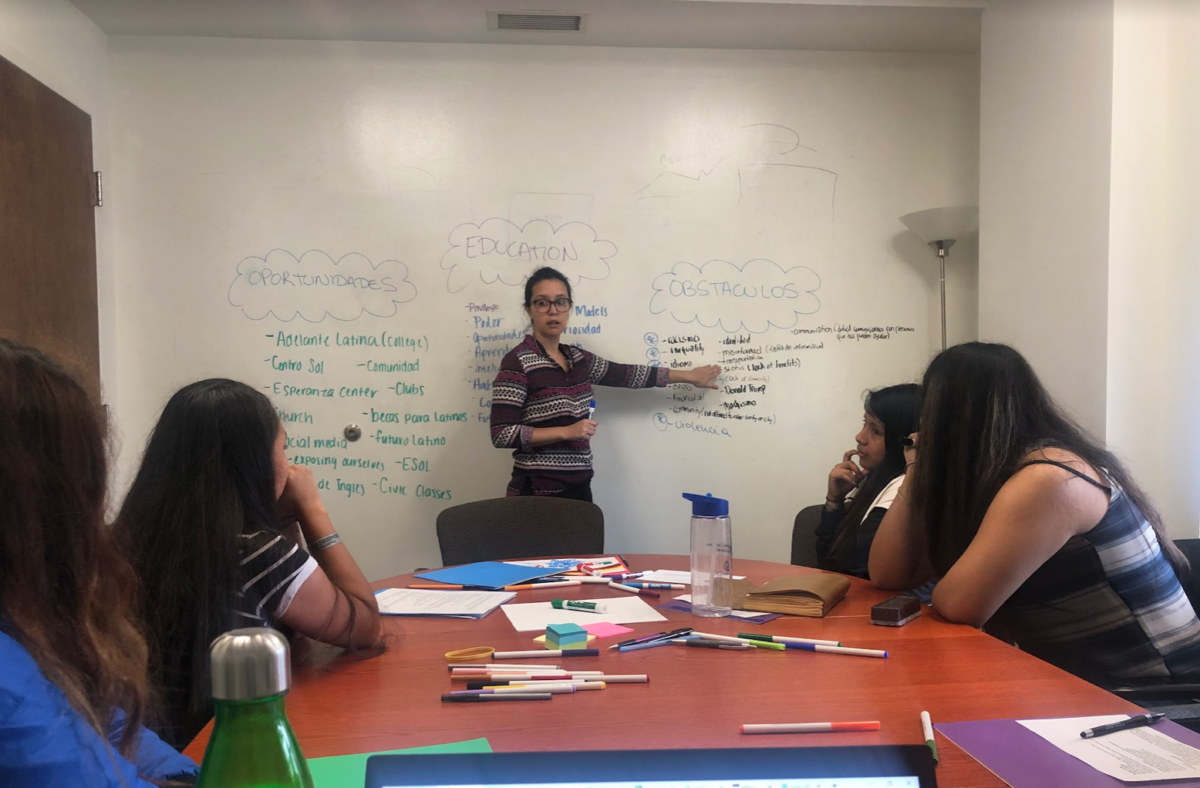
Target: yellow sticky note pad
{"type": "Point", "coordinates": [541, 640]}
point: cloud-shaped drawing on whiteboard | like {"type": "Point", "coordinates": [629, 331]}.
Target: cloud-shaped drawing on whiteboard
{"type": "Point", "coordinates": [753, 297]}
{"type": "Point", "coordinates": [316, 286]}
{"type": "Point", "coordinates": [500, 252]}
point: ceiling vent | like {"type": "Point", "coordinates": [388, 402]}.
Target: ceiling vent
{"type": "Point", "coordinates": [537, 20]}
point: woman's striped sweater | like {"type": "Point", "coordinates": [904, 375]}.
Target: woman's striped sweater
{"type": "Point", "coordinates": [531, 390]}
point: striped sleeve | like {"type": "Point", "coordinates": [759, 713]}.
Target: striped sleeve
{"type": "Point", "coordinates": [625, 376]}
{"type": "Point", "coordinates": [509, 392]}
{"type": "Point", "coordinates": [273, 568]}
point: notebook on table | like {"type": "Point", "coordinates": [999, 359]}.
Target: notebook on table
{"type": "Point", "coordinates": [793, 595]}
{"type": "Point", "coordinates": [773, 767]}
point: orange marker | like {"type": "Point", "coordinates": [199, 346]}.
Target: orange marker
{"type": "Point", "coordinates": [813, 727]}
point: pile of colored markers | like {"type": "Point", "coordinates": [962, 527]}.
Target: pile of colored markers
{"type": "Point", "coordinates": [527, 682]}
{"type": "Point", "coordinates": [744, 642]}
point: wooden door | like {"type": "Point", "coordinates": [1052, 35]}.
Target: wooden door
{"type": "Point", "coordinates": [47, 224]}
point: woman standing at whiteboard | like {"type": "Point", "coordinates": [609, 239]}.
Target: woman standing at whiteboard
{"type": "Point", "coordinates": [541, 395]}
{"type": "Point", "coordinates": [859, 494]}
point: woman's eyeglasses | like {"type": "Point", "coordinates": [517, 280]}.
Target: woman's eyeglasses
{"type": "Point", "coordinates": [543, 306]}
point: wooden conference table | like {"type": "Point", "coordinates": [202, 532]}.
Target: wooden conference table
{"type": "Point", "coordinates": [343, 704]}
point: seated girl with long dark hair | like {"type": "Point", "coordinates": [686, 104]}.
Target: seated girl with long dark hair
{"type": "Point", "coordinates": [859, 494]}
{"type": "Point", "coordinates": [201, 524]}
{"type": "Point", "coordinates": [1035, 531]}
{"type": "Point", "coordinates": [72, 662]}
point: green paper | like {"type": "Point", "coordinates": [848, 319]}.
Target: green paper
{"type": "Point", "coordinates": [350, 771]}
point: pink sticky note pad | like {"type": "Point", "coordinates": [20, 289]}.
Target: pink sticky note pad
{"type": "Point", "coordinates": [606, 630]}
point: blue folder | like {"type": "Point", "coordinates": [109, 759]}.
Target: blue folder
{"type": "Point", "coordinates": [487, 574]}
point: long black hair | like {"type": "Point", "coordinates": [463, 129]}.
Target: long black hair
{"type": "Point", "coordinates": [541, 275]}
{"type": "Point", "coordinates": [984, 411]}
{"type": "Point", "coordinates": [207, 476]}
{"type": "Point", "coordinates": [897, 408]}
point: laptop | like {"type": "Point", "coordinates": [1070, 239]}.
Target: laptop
{"type": "Point", "coordinates": [773, 767]}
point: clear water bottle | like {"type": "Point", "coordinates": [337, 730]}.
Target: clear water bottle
{"type": "Point", "coordinates": [252, 744]}
{"type": "Point", "coordinates": [712, 556]}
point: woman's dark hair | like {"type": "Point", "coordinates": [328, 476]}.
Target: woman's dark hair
{"type": "Point", "coordinates": [207, 476]}
{"type": "Point", "coordinates": [541, 275]}
{"type": "Point", "coordinates": [984, 411]}
{"type": "Point", "coordinates": [67, 594]}
{"type": "Point", "coordinates": [898, 408]}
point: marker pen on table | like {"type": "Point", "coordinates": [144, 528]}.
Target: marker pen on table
{"type": "Point", "coordinates": [517, 690]}
{"type": "Point", "coordinates": [502, 696]}
{"type": "Point", "coordinates": [556, 584]}
{"type": "Point", "coordinates": [678, 633]}
{"type": "Point", "coordinates": [488, 666]}
{"type": "Point", "coordinates": [582, 607]}
{"type": "Point", "coordinates": [547, 686]}
{"type": "Point", "coordinates": [851, 652]}
{"type": "Point", "coordinates": [812, 727]}
{"type": "Point", "coordinates": [782, 639]}
{"type": "Point", "coordinates": [632, 590]}
{"type": "Point", "coordinates": [927, 732]}
{"type": "Point", "coordinates": [577, 652]}
{"type": "Point", "coordinates": [654, 585]}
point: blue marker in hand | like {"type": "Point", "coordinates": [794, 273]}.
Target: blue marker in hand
{"type": "Point", "coordinates": [591, 408]}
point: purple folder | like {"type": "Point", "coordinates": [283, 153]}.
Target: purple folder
{"type": "Point", "coordinates": [1023, 759]}
{"type": "Point", "coordinates": [686, 607]}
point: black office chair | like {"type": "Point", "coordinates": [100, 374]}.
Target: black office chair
{"type": "Point", "coordinates": [510, 529]}
{"type": "Point", "coordinates": [804, 536]}
{"type": "Point", "coordinates": [1180, 702]}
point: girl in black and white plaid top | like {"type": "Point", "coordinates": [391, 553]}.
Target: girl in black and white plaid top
{"type": "Point", "coordinates": [1033, 530]}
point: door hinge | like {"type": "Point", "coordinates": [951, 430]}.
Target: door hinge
{"type": "Point", "coordinates": [99, 184]}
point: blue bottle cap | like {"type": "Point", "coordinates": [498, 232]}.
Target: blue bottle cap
{"type": "Point", "coordinates": [707, 505]}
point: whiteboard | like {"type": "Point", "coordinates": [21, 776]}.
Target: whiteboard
{"type": "Point", "coordinates": [348, 227]}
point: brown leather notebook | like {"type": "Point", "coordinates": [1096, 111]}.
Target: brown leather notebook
{"type": "Point", "coordinates": [793, 595]}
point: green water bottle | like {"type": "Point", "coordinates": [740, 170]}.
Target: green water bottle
{"type": "Point", "coordinates": [252, 744]}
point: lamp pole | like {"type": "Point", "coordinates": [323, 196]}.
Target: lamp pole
{"type": "Point", "coordinates": [941, 247]}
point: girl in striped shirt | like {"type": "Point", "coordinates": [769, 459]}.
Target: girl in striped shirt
{"type": "Point", "coordinates": [201, 525]}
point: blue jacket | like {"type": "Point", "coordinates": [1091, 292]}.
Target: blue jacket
{"type": "Point", "coordinates": [45, 743]}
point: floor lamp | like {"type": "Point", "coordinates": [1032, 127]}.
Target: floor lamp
{"type": "Point", "coordinates": [940, 228]}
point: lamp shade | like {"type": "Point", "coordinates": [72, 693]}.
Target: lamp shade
{"type": "Point", "coordinates": [942, 224]}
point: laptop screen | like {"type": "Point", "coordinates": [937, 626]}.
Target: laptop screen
{"type": "Point", "coordinates": [807, 782]}
{"type": "Point", "coordinates": [774, 767]}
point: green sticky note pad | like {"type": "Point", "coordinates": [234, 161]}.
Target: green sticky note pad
{"type": "Point", "coordinates": [350, 771]}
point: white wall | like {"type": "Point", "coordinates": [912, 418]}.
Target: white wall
{"type": "Point", "coordinates": [55, 43]}
{"type": "Point", "coordinates": [1045, 130]}
{"type": "Point", "coordinates": [1180, 383]}
{"type": "Point", "coordinates": [229, 148]}
{"type": "Point", "coordinates": [1139, 246]}
{"type": "Point", "coordinates": [1090, 188]}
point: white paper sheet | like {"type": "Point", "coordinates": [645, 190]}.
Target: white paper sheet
{"type": "Point", "coordinates": [1136, 755]}
{"type": "Point", "coordinates": [533, 616]}
{"type": "Point", "coordinates": [451, 604]}
{"type": "Point", "coordinates": [672, 576]}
